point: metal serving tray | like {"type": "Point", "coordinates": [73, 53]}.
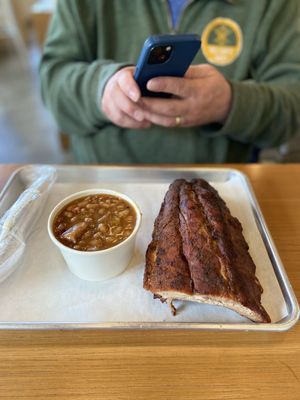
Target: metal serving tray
{"type": "Point", "coordinates": [105, 175]}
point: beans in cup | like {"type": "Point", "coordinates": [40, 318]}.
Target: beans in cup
{"type": "Point", "coordinates": [94, 222]}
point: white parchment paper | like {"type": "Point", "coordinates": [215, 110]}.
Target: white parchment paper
{"type": "Point", "coordinates": [44, 290]}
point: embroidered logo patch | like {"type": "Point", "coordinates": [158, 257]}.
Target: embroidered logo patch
{"type": "Point", "coordinates": [222, 41]}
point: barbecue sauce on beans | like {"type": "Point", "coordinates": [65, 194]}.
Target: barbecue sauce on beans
{"type": "Point", "coordinates": [94, 222]}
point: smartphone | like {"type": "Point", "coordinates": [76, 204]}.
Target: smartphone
{"type": "Point", "coordinates": [165, 55]}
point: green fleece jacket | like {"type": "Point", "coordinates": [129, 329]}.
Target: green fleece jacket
{"type": "Point", "coordinates": [89, 40]}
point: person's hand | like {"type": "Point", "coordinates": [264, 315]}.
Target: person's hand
{"type": "Point", "coordinates": [121, 100]}
{"type": "Point", "coordinates": [201, 97]}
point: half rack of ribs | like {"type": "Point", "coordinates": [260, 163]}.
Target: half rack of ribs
{"type": "Point", "coordinates": [198, 253]}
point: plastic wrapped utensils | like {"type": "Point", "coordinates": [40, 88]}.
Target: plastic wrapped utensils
{"type": "Point", "coordinates": [19, 220]}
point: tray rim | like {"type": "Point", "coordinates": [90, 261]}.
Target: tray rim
{"type": "Point", "coordinates": [283, 325]}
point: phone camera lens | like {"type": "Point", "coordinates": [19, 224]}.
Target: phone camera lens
{"type": "Point", "coordinates": [159, 54]}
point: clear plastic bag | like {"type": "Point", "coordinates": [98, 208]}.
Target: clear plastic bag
{"type": "Point", "coordinates": [19, 220]}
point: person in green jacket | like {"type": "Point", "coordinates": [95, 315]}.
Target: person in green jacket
{"type": "Point", "coordinates": [241, 94]}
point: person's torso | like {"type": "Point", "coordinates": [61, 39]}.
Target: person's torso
{"type": "Point", "coordinates": [228, 30]}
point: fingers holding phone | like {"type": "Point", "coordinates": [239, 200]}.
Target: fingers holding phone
{"type": "Point", "coordinates": [201, 97]}
{"type": "Point", "coordinates": [175, 94]}
{"type": "Point", "coordinates": [165, 55]}
{"type": "Point", "coordinates": [121, 101]}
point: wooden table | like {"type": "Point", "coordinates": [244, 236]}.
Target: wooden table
{"type": "Point", "coordinates": [177, 365]}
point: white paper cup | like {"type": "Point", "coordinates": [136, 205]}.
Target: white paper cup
{"type": "Point", "coordinates": [102, 264]}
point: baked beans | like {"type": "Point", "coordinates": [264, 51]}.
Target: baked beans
{"type": "Point", "coordinates": [94, 222]}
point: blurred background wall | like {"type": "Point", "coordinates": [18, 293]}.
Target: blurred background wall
{"type": "Point", "coordinates": [23, 12]}
{"type": "Point", "coordinates": [28, 133]}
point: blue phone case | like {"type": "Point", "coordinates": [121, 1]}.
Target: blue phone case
{"type": "Point", "coordinates": [184, 49]}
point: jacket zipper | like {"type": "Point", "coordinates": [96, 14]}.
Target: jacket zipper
{"type": "Point", "coordinates": [172, 29]}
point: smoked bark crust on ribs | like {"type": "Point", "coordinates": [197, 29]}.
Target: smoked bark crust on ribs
{"type": "Point", "coordinates": [167, 268]}
{"type": "Point", "coordinates": [198, 252]}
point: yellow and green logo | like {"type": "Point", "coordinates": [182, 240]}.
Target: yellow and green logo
{"type": "Point", "coordinates": [222, 41]}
